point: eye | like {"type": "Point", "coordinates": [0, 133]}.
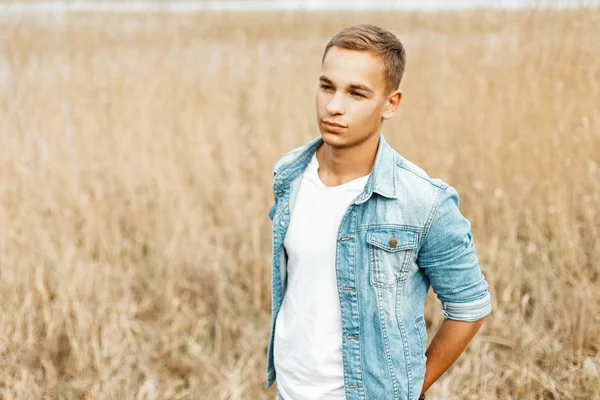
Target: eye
{"type": "Point", "coordinates": [326, 87]}
{"type": "Point", "coordinates": [356, 94]}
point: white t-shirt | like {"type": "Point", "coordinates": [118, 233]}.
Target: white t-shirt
{"type": "Point", "coordinates": [308, 331]}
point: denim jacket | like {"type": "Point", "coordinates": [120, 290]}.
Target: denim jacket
{"type": "Point", "coordinates": [401, 234]}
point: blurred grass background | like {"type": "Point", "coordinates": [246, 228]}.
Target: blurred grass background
{"type": "Point", "coordinates": [135, 164]}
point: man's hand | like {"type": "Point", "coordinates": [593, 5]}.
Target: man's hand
{"type": "Point", "coordinates": [447, 345]}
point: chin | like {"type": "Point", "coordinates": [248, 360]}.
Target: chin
{"type": "Point", "coordinates": [335, 139]}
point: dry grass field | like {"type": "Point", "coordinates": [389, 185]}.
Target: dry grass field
{"type": "Point", "coordinates": [135, 165]}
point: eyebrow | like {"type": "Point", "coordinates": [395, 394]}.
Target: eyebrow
{"type": "Point", "coordinates": [354, 86]}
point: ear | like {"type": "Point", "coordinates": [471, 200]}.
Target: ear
{"type": "Point", "coordinates": [391, 104]}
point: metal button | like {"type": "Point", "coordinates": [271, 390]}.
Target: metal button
{"type": "Point", "coordinates": [282, 223]}
{"type": "Point", "coordinates": [393, 242]}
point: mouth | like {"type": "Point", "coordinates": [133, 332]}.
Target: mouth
{"type": "Point", "coordinates": [333, 124]}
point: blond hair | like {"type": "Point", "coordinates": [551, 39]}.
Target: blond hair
{"type": "Point", "coordinates": [377, 41]}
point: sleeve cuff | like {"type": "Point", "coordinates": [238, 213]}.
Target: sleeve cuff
{"type": "Point", "coordinates": [468, 312]}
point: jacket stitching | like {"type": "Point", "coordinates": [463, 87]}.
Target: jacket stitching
{"type": "Point", "coordinates": [438, 201]}
{"type": "Point", "coordinates": [385, 341]}
{"type": "Point", "coordinates": [406, 350]}
{"type": "Point", "coordinates": [391, 226]}
{"type": "Point", "coordinates": [426, 178]}
{"type": "Point", "coordinates": [360, 337]}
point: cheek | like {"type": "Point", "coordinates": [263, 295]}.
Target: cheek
{"type": "Point", "coordinates": [364, 113]}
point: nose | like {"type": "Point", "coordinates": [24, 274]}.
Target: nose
{"type": "Point", "coordinates": [335, 105]}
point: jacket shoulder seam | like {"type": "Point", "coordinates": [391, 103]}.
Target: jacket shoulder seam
{"type": "Point", "coordinates": [434, 209]}
{"type": "Point", "coordinates": [282, 160]}
{"type": "Point", "coordinates": [440, 185]}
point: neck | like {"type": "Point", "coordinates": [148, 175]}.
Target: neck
{"type": "Point", "coordinates": [338, 165]}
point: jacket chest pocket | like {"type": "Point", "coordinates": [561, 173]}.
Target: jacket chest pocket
{"type": "Point", "coordinates": [390, 252]}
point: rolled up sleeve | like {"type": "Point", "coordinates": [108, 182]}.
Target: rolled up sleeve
{"type": "Point", "coordinates": [447, 256]}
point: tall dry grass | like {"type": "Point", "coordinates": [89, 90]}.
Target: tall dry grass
{"type": "Point", "coordinates": [135, 166]}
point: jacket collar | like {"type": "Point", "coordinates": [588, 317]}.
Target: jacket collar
{"type": "Point", "coordinates": [381, 181]}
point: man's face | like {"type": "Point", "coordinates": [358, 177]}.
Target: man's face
{"type": "Point", "coordinates": [352, 95]}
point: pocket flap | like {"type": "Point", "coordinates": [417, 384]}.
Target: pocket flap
{"type": "Point", "coordinates": [392, 239]}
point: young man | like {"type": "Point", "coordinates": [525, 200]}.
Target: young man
{"type": "Point", "coordinates": [359, 234]}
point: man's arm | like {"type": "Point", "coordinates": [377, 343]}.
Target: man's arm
{"type": "Point", "coordinates": [446, 346]}
{"type": "Point", "coordinates": [448, 258]}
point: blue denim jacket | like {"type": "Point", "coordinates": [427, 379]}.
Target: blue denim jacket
{"type": "Point", "coordinates": [401, 234]}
